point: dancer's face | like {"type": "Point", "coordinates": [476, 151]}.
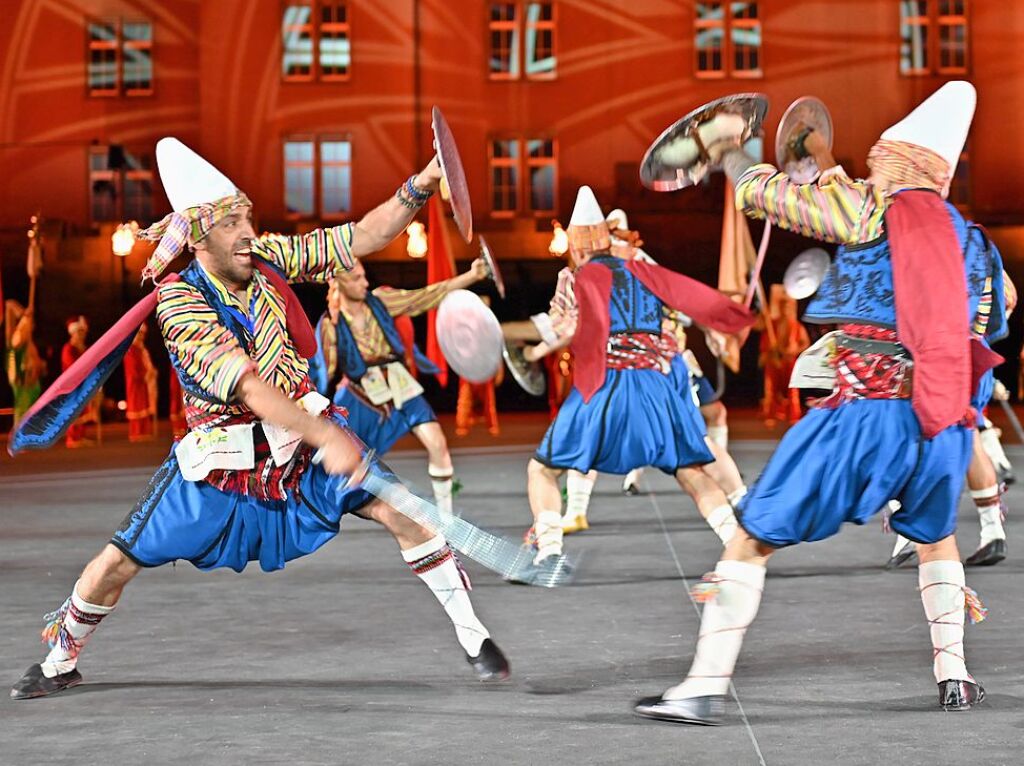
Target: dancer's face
{"type": "Point", "coordinates": [353, 284]}
{"type": "Point", "coordinates": [226, 251]}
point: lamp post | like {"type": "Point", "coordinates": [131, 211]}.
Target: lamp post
{"type": "Point", "coordinates": [121, 242]}
{"type": "Point", "coordinates": [559, 244]}
{"type": "Point", "coordinates": [416, 246]}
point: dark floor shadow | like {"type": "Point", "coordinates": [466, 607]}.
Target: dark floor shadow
{"type": "Point", "coordinates": [830, 571]}
{"type": "Point", "coordinates": [401, 687]}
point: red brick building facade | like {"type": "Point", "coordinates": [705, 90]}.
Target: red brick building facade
{"type": "Point", "coordinates": [319, 108]}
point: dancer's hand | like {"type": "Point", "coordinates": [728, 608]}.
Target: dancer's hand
{"type": "Point", "coordinates": [479, 269]}
{"type": "Point", "coordinates": [339, 453]}
{"type": "Point", "coordinates": [429, 178]}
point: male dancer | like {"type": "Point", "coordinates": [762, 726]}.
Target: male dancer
{"type": "Point", "coordinates": [623, 411]}
{"type": "Point", "coordinates": [361, 355]}
{"type": "Point", "coordinates": [863, 446]}
{"type": "Point", "coordinates": [243, 485]}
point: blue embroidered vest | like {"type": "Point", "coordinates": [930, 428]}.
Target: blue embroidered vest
{"type": "Point", "coordinates": [351, 362]}
{"type": "Point", "coordinates": [858, 285]}
{"type": "Point", "coordinates": [631, 307]}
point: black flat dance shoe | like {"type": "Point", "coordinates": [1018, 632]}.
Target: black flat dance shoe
{"type": "Point", "coordinates": [987, 555]}
{"type": "Point", "coordinates": [490, 664]}
{"type": "Point", "coordinates": [959, 695]}
{"type": "Point", "coordinates": [698, 711]}
{"type": "Point", "coordinates": [35, 684]}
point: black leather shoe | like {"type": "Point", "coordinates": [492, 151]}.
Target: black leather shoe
{"type": "Point", "coordinates": [902, 556]}
{"type": "Point", "coordinates": [35, 684]}
{"type": "Point", "coordinates": [987, 555]}
{"type": "Point", "coordinates": [699, 711]}
{"type": "Point", "coordinates": [490, 664]}
{"type": "Point", "coordinates": [959, 695]}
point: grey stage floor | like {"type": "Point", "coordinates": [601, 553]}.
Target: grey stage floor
{"type": "Point", "coordinates": [344, 658]}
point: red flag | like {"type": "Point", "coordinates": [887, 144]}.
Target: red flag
{"type": "Point", "coordinates": [440, 267]}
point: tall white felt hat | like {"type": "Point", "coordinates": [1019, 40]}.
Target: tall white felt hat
{"type": "Point", "coordinates": [586, 212]}
{"type": "Point", "coordinates": [940, 122]}
{"type": "Point", "coordinates": [618, 217]}
{"type": "Point", "coordinates": [188, 179]}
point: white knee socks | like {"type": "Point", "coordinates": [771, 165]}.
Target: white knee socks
{"type": "Point", "coordinates": [435, 564]}
{"type": "Point", "coordinates": [990, 514]}
{"type": "Point", "coordinates": [723, 522]}
{"type": "Point", "coordinates": [67, 631]}
{"type": "Point", "coordinates": [578, 487]}
{"type": "Point", "coordinates": [719, 435]}
{"type": "Point", "coordinates": [632, 478]}
{"type": "Point", "coordinates": [736, 495]}
{"type": "Point", "coordinates": [722, 627]}
{"type": "Point", "coordinates": [548, 529]}
{"type": "Point", "coordinates": [441, 481]}
{"type": "Point", "coordinates": [994, 448]}
{"type": "Point", "coordinates": [943, 596]}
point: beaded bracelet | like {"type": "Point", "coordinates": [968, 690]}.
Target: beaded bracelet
{"type": "Point", "coordinates": [415, 193]}
{"type": "Point", "coordinates": [410, 204]}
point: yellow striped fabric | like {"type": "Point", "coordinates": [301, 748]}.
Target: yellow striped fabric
{"type": "Point", "coordinates": [312, 257]}
{"type": "Point", "coordinates": [212, 356]}
{"type": "Point", "coordinates": [837, 210]}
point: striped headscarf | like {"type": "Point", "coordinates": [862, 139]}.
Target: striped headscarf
{"type": "Point", "coordinates": [584, 241]}
{"type": "Point", "coordinates": [903, 164]}
{"type": "Point", "coordinates": [176, 230]}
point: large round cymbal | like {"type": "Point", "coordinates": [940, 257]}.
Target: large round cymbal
{"type": "Point", "coordinates": [492, 267]}
{"type": "Point", "coordinates": [454, 176]}
{"type": "Point", "coordinates": [677, 158]}
{"type": "Point", "coordinates": [528, 375]}
{"type": "Point", "coordinates": [792, 159]}
{"type": "Point", "coordinates": [469, 335]}
{"type": "Point", "coordinates": [804, 275]}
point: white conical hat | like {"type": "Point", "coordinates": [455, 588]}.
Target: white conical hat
{"type": "Point", "coordinates": [586, 212]}
{"type": "Point", "coordinates": [940, 122]}
{"type": "Point", "coordinates": [618, 217]}
{"type": "Point", "coordinates": [188, 179]}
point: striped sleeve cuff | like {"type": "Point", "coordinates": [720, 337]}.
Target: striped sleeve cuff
{"type": "Point", "coordinates": [226, 371]}
{"type": "Point", "coordinates": [341, 238]}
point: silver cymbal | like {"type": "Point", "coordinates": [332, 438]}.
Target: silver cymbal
{"type": "Point", "coordinates": [678, 159]}
{"type": "Point", "coordinates": [805, 274]}
{"type": "Point", "coordinates": [492, 267]}
{"type": "Point", "coordinates": [792, 159]}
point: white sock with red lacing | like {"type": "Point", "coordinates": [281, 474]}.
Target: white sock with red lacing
{"type": "Point", "coordinates": [727, 614]}
{"type": "Point", "coordinates": [942, 593]}
{"type": "Point", "coordinates": [990, 514]}
{"type": "Point", "coordinates": [436, 564]}
{"type": "Point", "coordinates": [68, 630]}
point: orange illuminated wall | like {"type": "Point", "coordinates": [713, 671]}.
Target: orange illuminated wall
{"type": "Point", "coordinates": [625, 71]}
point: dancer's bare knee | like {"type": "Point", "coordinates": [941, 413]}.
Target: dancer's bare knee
{"type": "Point", "coordinates": [406, 531]}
